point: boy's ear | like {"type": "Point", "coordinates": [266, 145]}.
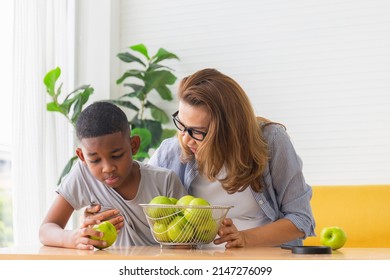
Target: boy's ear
{"type": "Point", "coordinates": [79, 153]}
{"type": "Point", "coordinates": [135, 143]}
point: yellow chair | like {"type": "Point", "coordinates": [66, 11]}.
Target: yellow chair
{"type": "Point", "coordinates": [362, 211]}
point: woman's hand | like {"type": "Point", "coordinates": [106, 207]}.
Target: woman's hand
{"type": "Point", "coordinates": [228, 233]}
{"type": "Point", "coordinates": [92, 216]}
{"type": "Point", "coordinates": [271, 234]}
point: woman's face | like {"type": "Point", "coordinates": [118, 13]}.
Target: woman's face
{"type": "Point", "coordinates": [195, 117]}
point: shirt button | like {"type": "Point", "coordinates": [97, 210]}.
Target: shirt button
{"type": "Point", "coordinates": [261, 202]}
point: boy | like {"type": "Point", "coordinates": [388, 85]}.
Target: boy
{"type": "Point", "coordinates": [106, 175]}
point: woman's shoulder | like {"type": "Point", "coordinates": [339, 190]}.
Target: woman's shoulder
{"type": "Point", "coordinates": [169, 146]}
{"type": "Point", "coordinates": [170, 143]}
{"type": "Point", "coordinates": [272, 130]}
{"type": "Point", "coordinates": [169, 150]}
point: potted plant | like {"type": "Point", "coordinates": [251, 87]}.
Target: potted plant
{"type": "Point", "coordinates": [147, 77]}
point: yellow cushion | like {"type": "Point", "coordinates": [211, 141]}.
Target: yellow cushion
{"type": "Point", "coordinates": [362, 211]}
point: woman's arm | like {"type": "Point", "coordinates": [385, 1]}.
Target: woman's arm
{"type": "Point", "coordinates": [52, 231]}
{"type": "Point", "coordinates": [272, 234]}
{"type": "Point", "coordinates": [288, 190]}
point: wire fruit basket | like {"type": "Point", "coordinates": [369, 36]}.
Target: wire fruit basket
{"type": "Point", "coordinates": [184, 225]}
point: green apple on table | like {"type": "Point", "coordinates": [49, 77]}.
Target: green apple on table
{"type": "Point", "coordinates": [109, 234]}
{"type": "Point", "coordinates": [334, 237]}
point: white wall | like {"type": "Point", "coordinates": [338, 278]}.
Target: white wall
{"type": "Point", "coordinates": [96, 46]}
{"type": "Point", "coordinates": [320, 67]}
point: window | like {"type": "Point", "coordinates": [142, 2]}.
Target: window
{"type": "Point", "coordinates": [6, 20]}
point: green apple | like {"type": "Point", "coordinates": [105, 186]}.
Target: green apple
{"type": "Point", "coordinates": [196, 216]}
{"type": "Point", "coordinates": [206, 231]}
{"type": "Point", "coordinates": [160, 231]}
{"type": "Point", "coordinates": [334, 237]}
{"type": "Point", "coordinates": [184, 201]}
{"type": "Point", "coordinates": [173, 199]}
{"type": "Point", "coordinates": [160, 214]}
{"type": "Point", "coordinates": [109, 234]}
{"type": "Point", "coordinates": [180, 231]}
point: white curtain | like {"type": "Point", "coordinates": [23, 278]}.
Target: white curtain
{"type": "Point", "coordinates": [42, 140]}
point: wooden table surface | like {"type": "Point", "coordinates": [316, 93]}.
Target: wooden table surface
{"type": "Point", "coordinates": [186, 253]}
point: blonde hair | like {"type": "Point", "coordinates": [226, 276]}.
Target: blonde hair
{"type": "Point", "coordinates": [234, 139]}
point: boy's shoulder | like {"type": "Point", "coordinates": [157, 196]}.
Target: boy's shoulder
{"type": "Point", "coordinates": [78, 171]}
{"type": "Point", "coordinates": [154, 170]}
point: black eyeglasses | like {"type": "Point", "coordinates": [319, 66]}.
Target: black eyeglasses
{"type": "Point", "coordinates": [195, 134]}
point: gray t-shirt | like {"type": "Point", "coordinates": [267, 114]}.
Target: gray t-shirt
{"type": "Point", "coordinates": [80, 189]}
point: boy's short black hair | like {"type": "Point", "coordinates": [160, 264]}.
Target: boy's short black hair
{"type": "Point", "coordinates": [101, 118]}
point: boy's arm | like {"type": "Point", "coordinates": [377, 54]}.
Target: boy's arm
{"type": "Point", "coordinates": [92, 215]}
{"type": "Point", "coordinates": [52, 232]}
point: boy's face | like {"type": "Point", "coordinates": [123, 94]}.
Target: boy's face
{"type": "Point", "coordinates": [109, 157]}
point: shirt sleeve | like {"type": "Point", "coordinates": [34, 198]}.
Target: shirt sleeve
{"type": "Point", "coordinates": [175, 188]}
{"type": "Point", "coordinates": [292, 193]}
{"type": "Point", "coordinates": [73, 188]}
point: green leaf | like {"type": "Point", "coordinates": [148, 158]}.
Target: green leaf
{"type": "Point", "coordinates": [130, 73]}
{"type": "Point", "coordinates": [156, 79]}
{"type": "Point", "coordinates": [141, 49]}
{"type": "Point", "coordinates": [145, 135]}
{"type": "Point", "coordinates": [138, 91]}
{"type": "Point", "coordinates": [83, 87]}
{"type": "Point", "coordinates": [153, 67]}
{"type": "Point", "coordinates": [135, 94]}
{"type": "Point", "coordinates": [50, 80]}
{"type": "Point", "coordinates": [53, 107]}
{"type": "Point", "coordinates": [128, 58]}
{"type": "Point", "coordinates": [58, 90]}
{"type": "Point", "coordinates": [155, 128]}
{"type": "Point", "coordinates": [134, 86]}
{"type": "Point", "coordinates": [69, 101]}
{"type": "Point", "coordinates": [164, 92]}
{"type": "Point", "coordinates": [81, 100]}
{"type": "Point", "coordinates": [67, 104]}
{"type": "Point", "coordinates": [157, 113]}
{"type": "Point", "coordinates": [168, 133]}
{"type": "Point", "coordinates": [126, 104]}
{"type": "Point", "coordinates": [67, 168]}
{"type": "Point", "coordinates": [163, 54]}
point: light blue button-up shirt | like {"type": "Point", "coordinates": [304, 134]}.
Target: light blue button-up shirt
{"type": "Point", "coordinates": [285, 193]}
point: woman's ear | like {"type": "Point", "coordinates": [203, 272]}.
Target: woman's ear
{"type": "Point", "coordinates": [135, 143]}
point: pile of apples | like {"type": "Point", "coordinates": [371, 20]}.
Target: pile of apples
{"type": "Point", "coordinates": [181, 224]}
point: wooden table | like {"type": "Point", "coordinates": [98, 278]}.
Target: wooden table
{"type": "Point", "coordinates": [158, 253]}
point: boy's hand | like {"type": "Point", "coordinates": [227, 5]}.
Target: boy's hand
{"type": "Point", "coordinates": [92, 216]}
{"type": "Point", "coordinates": [83, 241]}
{"type": "Point", "coordinates": [228, 233]}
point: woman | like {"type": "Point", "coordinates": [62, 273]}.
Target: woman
{"type": "Point", "coordinates": [226, 155]}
